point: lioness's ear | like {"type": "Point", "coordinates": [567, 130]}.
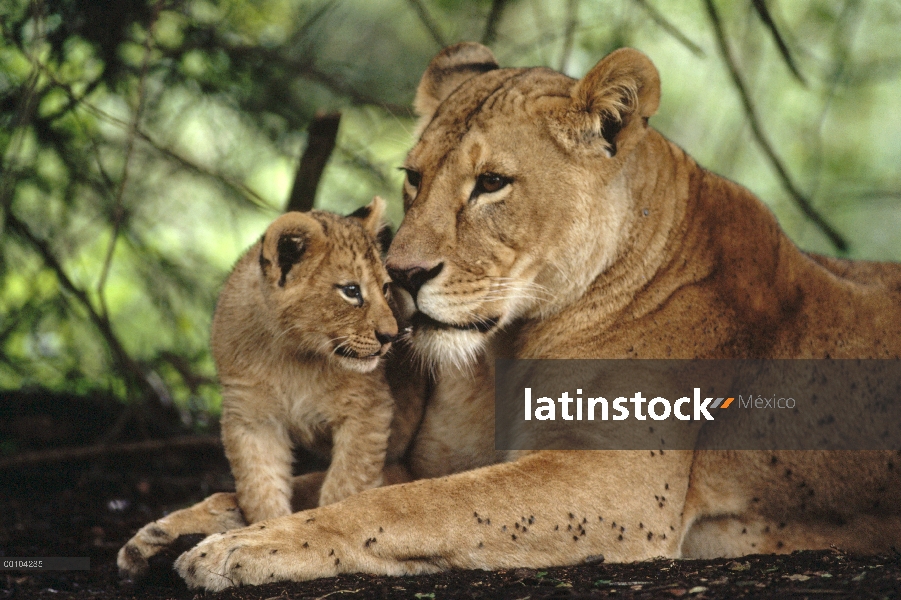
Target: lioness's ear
{"type": "Point", "coordinates": [613, 100]}
{"type": "Point", "coordinates": [284, 244]}
{"type": "Point", "coordinates": [447, 71]}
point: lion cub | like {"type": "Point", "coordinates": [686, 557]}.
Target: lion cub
{"type": "Point", "coordinates": [298, 335]}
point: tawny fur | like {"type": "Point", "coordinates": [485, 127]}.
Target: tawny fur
{"type": "Point", "coordinates": [608, 241]}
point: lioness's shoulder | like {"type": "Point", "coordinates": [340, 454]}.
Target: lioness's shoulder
{"type": "Point", "coordinates": [887, 274]}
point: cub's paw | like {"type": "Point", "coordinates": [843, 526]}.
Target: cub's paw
{"type": "Point", "coordinates": [217, 513]}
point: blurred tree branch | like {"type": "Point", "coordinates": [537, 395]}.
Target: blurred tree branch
{"type": "Point", "coordinates": [271, 59]}
{"type": "Point", "coordinates": [118, 211]}
{"type": "Point", "coordinates": [763, 12]}
{"type": "Point", "coordinates": [493, 21]}
{"type": "Point", "coordinates": [356, 159]}
{"type": "Point", "coordinates": [572, 21]}
{"type": "Point", "coordinates": [799, 198]}
{"type": "Point", "coordinates": [128, 368]}
{"type": "Point", "coordinates": [237, 186]}
{"type": "Point", "coordinates": [23, 113]}
{"type": "Point", "coordinates": [428, 22]}
{"type": "Point", "coordinates": [665, 24]}
{"type": "Point", "coordinates": [242, 189]}
{"type": "Point", "coordinates": [321, 136]}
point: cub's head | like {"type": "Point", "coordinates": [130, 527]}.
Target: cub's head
{"type": "Point", "coordinates": [324, 283]}
{"type": "Point", "coordinates": [514, 198]}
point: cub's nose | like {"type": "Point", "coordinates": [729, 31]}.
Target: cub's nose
{"type": "Point", "coordinates": [384, 337]}
{"type": "Point", "coordinates": [413, 278]}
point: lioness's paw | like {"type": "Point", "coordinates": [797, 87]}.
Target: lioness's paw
{"type": "Point", "coordinates": [252, 556]}
{"type": "Point", "coordinates": [207, 565]}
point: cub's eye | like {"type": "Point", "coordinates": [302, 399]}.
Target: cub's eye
{"type": "Point", "coordinates": [414, 178]}
{"type": "Point", "coordinates": [352, 292]}
{"type": "Point", "coordinates": [385, 290]}
{"type": "Point", "coordinates": [488, 183]}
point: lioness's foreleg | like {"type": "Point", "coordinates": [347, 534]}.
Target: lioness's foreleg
{"type": "Point", "coordinates": [547, 508]}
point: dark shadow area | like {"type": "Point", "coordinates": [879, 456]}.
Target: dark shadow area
{"type": "Point", "coordinates": [90, 508]}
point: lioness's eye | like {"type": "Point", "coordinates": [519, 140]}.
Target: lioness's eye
{"type": "Point", "coordinates": [414, 178]}
{"type": "Point", "coordinates": [351, 292]}
{"type": "Point", "coordinates": [487, 183]}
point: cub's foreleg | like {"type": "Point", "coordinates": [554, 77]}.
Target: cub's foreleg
{"type": "Point", "coordinates": [260, 452]}
{"type": "Point", "coordinates": [359, 445]}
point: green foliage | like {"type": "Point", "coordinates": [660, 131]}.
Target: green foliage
{"type": "Point", "coordinates": [145, 147]}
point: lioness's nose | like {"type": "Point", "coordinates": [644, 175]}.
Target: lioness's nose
{"type": "Point", "coordinates": [413, 278]}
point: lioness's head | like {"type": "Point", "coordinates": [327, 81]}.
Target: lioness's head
{"type": "Point", "coordinates": [514, 195]}
{"type": "Point", "coordinates": [325, 285]}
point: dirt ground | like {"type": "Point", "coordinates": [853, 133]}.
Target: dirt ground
{"type": "Point", "coordinates": [92, 508]}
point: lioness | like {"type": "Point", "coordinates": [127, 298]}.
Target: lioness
{"type": "Point", "coordinates": [546, 219]}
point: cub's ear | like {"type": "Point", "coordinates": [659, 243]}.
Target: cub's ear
{"type": "Point", "coordinates": [285, 242]}
{"type": "Point", "coordinates": [371, 215]}
{"type": "Point", "coordinates": [610, 106]}
{"type": "Point", "coordinates": [447, 71]}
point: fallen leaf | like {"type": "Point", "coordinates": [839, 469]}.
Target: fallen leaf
{"type": "Point", "coordinates": [697, 589]}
